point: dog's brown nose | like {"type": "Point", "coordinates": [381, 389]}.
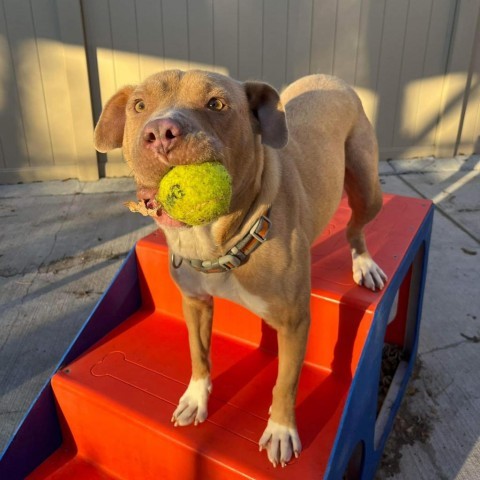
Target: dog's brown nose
{"type": "Point", "coordinates": [161, 134]}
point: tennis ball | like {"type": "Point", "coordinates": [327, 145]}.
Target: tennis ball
{"type": "Point", "coordinates": [196, 194]}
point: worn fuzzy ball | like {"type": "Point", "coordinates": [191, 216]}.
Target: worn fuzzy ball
{"type": "Point", "coordinates": [196, 194]}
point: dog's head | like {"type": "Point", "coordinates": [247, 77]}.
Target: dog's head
{"type": "Point", "coordinates": [176, 118]}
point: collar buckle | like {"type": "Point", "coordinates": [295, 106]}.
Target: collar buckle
{"type": "Point", "coordinates": [238, 254]}
{"type": "Point", "coordinates": [261, 228]}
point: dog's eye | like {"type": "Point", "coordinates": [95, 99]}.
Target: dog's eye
{"type": "Point", "coordinates": [215, 104]}
{"type": "Point", "coordinates": [139, 106]}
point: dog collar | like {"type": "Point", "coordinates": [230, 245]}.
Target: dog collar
{"type": "Point", "coordinates": [237, 255]}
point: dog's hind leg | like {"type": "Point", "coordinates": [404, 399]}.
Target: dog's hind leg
{"type": "Point", "coordinates": [362, 185]}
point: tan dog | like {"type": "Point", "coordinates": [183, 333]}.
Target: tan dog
{"type": "Point", "coordinates": [176, 118]}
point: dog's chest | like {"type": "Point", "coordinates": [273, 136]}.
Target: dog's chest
{"type": "Point", "coordinates": [220, 285]}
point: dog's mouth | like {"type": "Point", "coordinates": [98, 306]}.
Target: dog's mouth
{"type": "Point", "coordinates": [148, 206]}
{"type": "Point", "coordinates": [161, 217]}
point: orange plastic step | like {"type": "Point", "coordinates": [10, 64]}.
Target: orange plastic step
{"type": "Point", "coordinates": [117, 403]}
{"type": "Point", "coordinates": [116, 400]}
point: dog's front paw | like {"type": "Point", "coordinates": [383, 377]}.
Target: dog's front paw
{"type": "Point", "coordinates": [367, 273]}
{"type": "Point", "coordinates": [192, 407]}
{"type": "Point", "coordinates": [281, 442]}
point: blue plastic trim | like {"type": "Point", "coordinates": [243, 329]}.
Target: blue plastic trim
{"type": "Point", "coordinates": [357, 423]}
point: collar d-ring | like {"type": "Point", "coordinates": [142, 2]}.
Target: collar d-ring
{"type": "Point", "coordinates": [175, 264]}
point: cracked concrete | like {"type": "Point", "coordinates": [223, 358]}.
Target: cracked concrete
{"type": "Point", "coordinates": [60, 246]}
{"type": "Point", "coordinates": [62, 242]}
{"type": "Point", "coordinates": [451, 183]}
{"type": "Point", "coordinates": [447, 386]}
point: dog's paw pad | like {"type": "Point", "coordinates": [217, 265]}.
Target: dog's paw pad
{"type": "Point", "coordinates": [281, 443]}
{"type": "Point", "coordinates": [192, 407]}
{"type": "Point", "coordinates": [367, 273]}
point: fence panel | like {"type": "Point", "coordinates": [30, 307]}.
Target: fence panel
{"type": "Point", "coordinates": [45, 107]}
{"type": "Point", "coordinates": [413, 63]}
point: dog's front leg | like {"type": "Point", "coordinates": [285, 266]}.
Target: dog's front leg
{"type": "Point", "coordinates": [280, 438]}
{"type": "Point", "coordinates": [192, 407]}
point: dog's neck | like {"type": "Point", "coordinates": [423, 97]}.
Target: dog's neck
{"type": "Point", "coordinates": [252, 202]}
{"type": "Point", "coordinates": [213, 240]}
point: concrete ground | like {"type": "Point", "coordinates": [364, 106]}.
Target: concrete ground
{"type": "Point", "coordinates": [62, 242]}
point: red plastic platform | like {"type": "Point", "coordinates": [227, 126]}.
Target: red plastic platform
{"type": "Point", "coordinates": [115, 400]}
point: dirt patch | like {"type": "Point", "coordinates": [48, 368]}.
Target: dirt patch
{"type": "Point", "coordinates": [85, 293]}
{"type": "Point", "coordinates": [83, 258]}
{"type": "Point", "coordinates": [408, 429]}
{"type": "Point", "coordinates": [392, 355]}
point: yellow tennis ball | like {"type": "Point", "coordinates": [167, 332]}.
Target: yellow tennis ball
{"type": "Point", "coordinates": [196, 194]}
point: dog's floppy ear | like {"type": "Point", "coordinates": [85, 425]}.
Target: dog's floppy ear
{"type": "Point", "coordinates": [268, 110]}
{"type": "Point", "coordinates": [109, 130]}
